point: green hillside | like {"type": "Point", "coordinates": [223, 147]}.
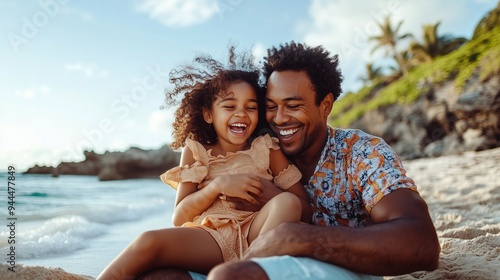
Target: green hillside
{"type": "Point", "coordinates": [479, 56]}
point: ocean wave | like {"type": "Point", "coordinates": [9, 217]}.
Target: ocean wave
{"type": "Point", "coordinates": [37, 194]}
{"type": "Point", "coordinates": [102, 212]}
{"type": "Point", "coordinates": [61, 216]}
{"type": "Point", "coordinates": [72, 228]}
{"type": "Point", "coordinates": [56, 236]}
{"type": "Point", "coordinates": [110, 214]}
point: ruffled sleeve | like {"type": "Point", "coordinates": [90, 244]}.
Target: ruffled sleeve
{"type": "Point", "coordinates": [260, 151]}
{"type": "Point", "coordinates": [194, 173]}
{"type": "Point", "coordinates": [287, 177]}
{"type": "Point", "coordinates": [270, 142]}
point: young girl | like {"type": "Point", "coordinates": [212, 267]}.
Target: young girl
{"type": "Point", "coordinates": [217, 118]}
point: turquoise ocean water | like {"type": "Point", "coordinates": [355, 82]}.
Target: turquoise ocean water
{"type": "Point", "coordinates": [77, 222]}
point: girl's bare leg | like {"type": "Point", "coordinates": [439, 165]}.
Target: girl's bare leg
{"type": "Point", "coordinates": [285, 207]}
{"type": "Point", "coordinates": [182, 247]}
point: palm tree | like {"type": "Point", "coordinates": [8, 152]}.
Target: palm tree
{"type": "Point", "coordinates": [407, 59]}
{"type": "Point", "coordinates": [389, 38]}
{"type": "Point", "coordinates": [434, 45]}
{"type": "Point", "coordinates": [371, 73]}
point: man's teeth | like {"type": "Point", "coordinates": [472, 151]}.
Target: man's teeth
{"type": "Point", "coordinates": [288, 132]}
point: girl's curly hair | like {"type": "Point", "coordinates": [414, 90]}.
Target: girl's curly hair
{"type": "Point", "coordinates": [321, 68]}
{"type": "Point", "coordinates": [199, 85]}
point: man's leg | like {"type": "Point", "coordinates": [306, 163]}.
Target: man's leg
{"type": "Point", "coordinates": [165, 274]}
{"type": "Point", "coordinates": [284, 268]}
{"type": "Point", "coordinates": [237, 270]}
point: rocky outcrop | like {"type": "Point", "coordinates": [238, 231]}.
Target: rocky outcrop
{"type": "Point", "coordinates": [442, 121]}
{"type": "Point", "coordinates": [133, 163]}
{"type": "Point", "coordinates": [37, 169]}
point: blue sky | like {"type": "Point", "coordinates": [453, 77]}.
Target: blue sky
{"type": "Point", "coordinates": [80, 75]}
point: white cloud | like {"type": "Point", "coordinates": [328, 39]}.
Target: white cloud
{"type": "Point", "coordinates": [259, 51]}
{"type": "Point", "coordinates": [78, 67]}
{"type": "Point", "coordinates": [28, 157]}
{"type": "Point", "coordinates": [87, 70]}
{"type": "Point", "coordinates": [77, 13]}
{"type": "Point", "coordinates": [180, 12]}
{"type": "Point", "coordinates": [160, 121]}
{"type": "Point", "coordinates": [103, 73]}
{"type": "Point", "coordinates": [33, 91]}
{"type": "Point", "coordinates": [118, 145]}
{"type": "Point", "coordinates": [87, 17]}
{"type": "Point", "coordinates": [24, 147]}
{"type": "Point", "coordinates": [343, 28]}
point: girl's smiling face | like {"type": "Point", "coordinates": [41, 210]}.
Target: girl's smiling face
{"type": "Point", "coordinates": [234, 115]}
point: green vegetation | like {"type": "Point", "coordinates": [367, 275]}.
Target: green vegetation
{"type": "Point", "coordinates": [490, 21]}
{"type": "Point", "coordinates": [480, 55]}
{"type": "Point", "coordinates": [490, 64]}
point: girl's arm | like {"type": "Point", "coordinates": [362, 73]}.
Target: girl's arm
{"type": "Point", "coordinates": [190, 202]}
{"type": "Point", "coordinates": [278, 162]}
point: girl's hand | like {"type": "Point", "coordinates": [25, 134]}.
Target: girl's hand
{"type": "Point", "coordinates": [244, 186]}
{"type": "Point", "coordinates": [268, 191]}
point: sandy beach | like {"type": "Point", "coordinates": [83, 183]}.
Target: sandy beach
{"type": "Point", "coordinates": [463, 194]}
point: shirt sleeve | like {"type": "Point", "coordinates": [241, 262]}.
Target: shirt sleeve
{"type": "Point", "coordinates": [378, 171]}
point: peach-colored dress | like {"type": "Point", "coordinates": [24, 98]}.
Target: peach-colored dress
{"type": "Point", "coordinates": [229, 227]}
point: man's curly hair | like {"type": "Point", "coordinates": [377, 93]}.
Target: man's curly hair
{"type": "Point", "coordinates": [199, 85]}
{"type": "Point", "coordinates": [321, 68]}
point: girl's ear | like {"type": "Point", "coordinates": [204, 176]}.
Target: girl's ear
{"type": "Point", "coordinates": [207, 116]}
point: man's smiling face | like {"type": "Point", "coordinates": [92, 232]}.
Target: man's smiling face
{"type": "Point", "coordinates": [292, 113]}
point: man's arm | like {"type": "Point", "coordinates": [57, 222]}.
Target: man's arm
{"type": "Point", "coordinates": [402, 240]}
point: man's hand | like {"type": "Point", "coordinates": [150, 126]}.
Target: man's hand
{"type": "Point", "coordinates": [268, 191]}
{"type": "Point", "coordinates": [271, 243]}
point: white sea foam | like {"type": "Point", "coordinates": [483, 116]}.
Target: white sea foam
{"type": "Point", "coordinates": [73, 211]}
{"type": "Point", "coordinates": [70, 232]}
{"type": "Point", "coordinates": [55, 236]}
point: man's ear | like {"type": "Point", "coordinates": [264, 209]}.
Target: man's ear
{"type": "Point", "coordinates": [207, 116]}
{"type": "Point", "coordinates": [327, 104]}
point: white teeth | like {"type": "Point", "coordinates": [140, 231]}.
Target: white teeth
{"type": "Point", "coordinates": [239, 125]}
{"type": "Point", "coordinates": [288, 132]}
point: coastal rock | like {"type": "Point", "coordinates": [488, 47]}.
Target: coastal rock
{"type": "Point", "coordinates": [441, 122]}
{"type": "Point", "coordinates": [42, 170]}
{"type": "Point", "coordinates": [132, 163]}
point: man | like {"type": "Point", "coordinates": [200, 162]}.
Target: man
{"type": "Point", "coordinates": [368, 218]}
